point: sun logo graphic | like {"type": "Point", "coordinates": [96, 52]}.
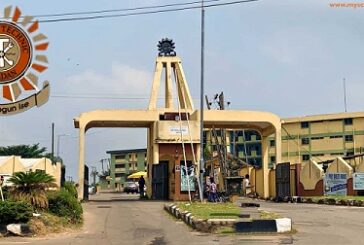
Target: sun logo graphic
{"type": "Point", "coordinates": [22, 60]}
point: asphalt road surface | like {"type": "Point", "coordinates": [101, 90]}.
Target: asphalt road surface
{"type": "Point", "coordinates": [114, 218]}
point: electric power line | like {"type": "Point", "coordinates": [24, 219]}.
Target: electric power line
{"type": "Point", "coordinates": [143, 13]}
{"type": "Point", "coordinates": [120, 10]}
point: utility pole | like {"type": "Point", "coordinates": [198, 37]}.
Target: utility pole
{"type": "Point", "coordinates": [94, 173]}
{"type": "Point", "coordinates": [202, 163]}
{"type": "Point", "coordinates": [52, 141]}
{"type": "Point", "coordinates": [344, 84]}
{"type": "Point", "coordinates": [102, 165]}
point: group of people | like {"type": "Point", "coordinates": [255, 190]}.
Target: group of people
{"type": "Point", "coordinates": [211, 188]}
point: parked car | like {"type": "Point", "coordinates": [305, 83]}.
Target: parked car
{"type": "Point", "coordinates": [131, 187]}
{"type": "Point", "coordinates": [91, 190]}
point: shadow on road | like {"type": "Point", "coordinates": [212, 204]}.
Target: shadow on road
{"type": "Point", "coordinates": [118, 197]}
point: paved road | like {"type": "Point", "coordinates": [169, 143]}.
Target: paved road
{"type": "Point", "coordinates": [113, 218]}
{"type": "Point", "coordinates": [322, 224]}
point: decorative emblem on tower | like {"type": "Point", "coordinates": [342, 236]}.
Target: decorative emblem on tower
{"type": "Point", "coordinates": [22, 60]}
{"type": "Point", "coordinates": [166, 47]}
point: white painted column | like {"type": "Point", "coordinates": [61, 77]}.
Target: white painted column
{"type": "Point", "coordinates": [81, 163]}
{"type": "Point", "coordinates": [265, 154]}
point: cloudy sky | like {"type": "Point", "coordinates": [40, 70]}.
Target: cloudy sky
{"type": "Point", "coordinates": [287, 57]}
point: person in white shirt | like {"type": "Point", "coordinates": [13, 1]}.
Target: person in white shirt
{"type": "Point", "coordinates": [246, 185]}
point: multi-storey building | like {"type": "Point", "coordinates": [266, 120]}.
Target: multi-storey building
{"type": "Point", "coordinates": [317, 137]}
{"type": "Point", "coordinates": [124, 163]}
{"type": "Point", "coordinates": [321, 137]}
{"type": "Point", "coordinates": [245, 144]}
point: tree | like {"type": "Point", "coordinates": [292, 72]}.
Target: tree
{"type": "Point", "coordinates": [25, 151]}
{"type": "Point", "coordinates": [31, 187]}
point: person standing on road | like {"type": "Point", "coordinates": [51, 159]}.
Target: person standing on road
{"type": "Point", "coordinates": [141, 183]}
{"type": "Point", "coordinates": [246, 185]}
{"type": "Point", "coordinates": [213, 191]}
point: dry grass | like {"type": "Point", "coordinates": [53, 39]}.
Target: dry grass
{"type": "Point", "coordinates": [269, 215]}
{"type": "Point", "coordinates": [48, 223]}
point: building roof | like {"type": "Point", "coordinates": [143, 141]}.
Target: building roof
{"type": "Point", "coordinates": [127, 151]}
{"type": "Point", "coordinates": [323, 117]}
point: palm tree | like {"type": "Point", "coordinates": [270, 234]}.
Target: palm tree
{"type": "Point", "coordinates": [31, 187]}
{"type": "Point", "coordinates": [25, 151]}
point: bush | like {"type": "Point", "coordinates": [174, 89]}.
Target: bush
{"type": "Point", "coordinates": [15, 212]}
{"type": "Point", "coordinates": [62, 203]}
{"type": "Point", "coordinates": [71, 188]}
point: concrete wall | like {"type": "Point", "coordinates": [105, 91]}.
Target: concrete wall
{"type": "Point", "coordinates": [13, 164]}
{"type": "Point", "coordinates": [340, 166]}
{"type": "Point", "coordinates": [311, 173]}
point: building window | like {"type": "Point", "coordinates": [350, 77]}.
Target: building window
{"type": "Point", "coordinates": [117, 175]}
{"type": "Point", "coordinates": [272, 143]}
{"type": "Point", "coordinates": [349, 138]}
{"type": "Point", "coordinates": [272, 159]}
{"type": "Point", "coordinates": [305, 124]}
{"type": "Point", "coordinates": [317, 138]}
{"type": "Point", "coordinates": [120, 165]}
{"type": "Point", "coordinates": [305, 157]}
{"type": "Point", "coordinates": [350, 152]}
{"type": "Point", "coordinates": [336, 154]}
{"type": "Point", "coordinates": [335, 136]}
{"type": "Point", "coordinates": [120, 156]}
{"type": "Point", "coordinates": [305, 141]}
{"type": "Point", "coordinates": [348, 121]}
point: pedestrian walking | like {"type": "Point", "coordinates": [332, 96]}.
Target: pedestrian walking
{"type": "Point", "coordinates": [141, 183]}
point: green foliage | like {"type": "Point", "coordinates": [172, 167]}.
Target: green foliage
{"type": "Point", "coordinates": [71, 188]}
{"type": "Point", "coordinates": [25, 151]}
{"type": "Point", "coordinates": [30, 187]}
{"type": "Point", "coordinates": [211, 210]}
{"type": "Point", "coordinates": [15, 212]}
{"type": "Point", "coordinates": [64, 204]}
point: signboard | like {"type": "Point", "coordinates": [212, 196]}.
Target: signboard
{"type": "Point", "coordinates": [176, 130]}
{"type": "Point", "coordinates": [22, 60]}
{"type": "Point", "coordinates": [335, 184]}
{"type": "Point", "coordinates": [358, 181]}
{"type": "Point", "coordinates": [191, 177]}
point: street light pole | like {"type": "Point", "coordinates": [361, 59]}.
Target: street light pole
{"type": "Point", "coordinates": [59, 141]}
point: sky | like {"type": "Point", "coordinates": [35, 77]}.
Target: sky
{"type": "Point", "coordinates": [287, 57]}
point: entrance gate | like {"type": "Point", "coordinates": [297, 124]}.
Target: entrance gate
{"type": "Point", "coordinates": [160, 181]}
{"type": "Point", "coordinates": [282, 180]}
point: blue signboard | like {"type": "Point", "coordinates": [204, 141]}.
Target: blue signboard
{"type": "Point", "coordinates": [358, 181]}
{"type": "Point", "coordinates": [335, 184]}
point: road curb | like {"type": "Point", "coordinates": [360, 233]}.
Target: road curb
{"type": "Point", "coordinates": [210, 225]}
{"type": "Point", "coordinates": [333, 201]}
